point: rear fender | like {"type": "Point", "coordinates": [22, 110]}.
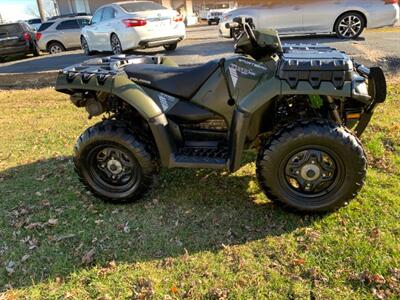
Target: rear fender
{"type": "Point", "coordinates": [129, 92]}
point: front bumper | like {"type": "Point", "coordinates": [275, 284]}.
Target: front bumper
{"type": "Point", "coordinates": [377, 91]}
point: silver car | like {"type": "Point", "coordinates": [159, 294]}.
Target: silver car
{"type": "Point", "coordinates": [58, 35]}
{"type": "Point", "coordinates": [346, 18]}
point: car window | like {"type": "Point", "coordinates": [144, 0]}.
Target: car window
{"type": "Point", "coordinates": [10, 30]}
{"type": "Point", "coordinates": [108, 14]}
{"type": "Point", "coordinates": [97, 16]}
{"type": "Point", "coordinates": [44, 26]}
{"type": "Point", "coordinates": [34, 21]}
{"type": "Point", "coordinates": [70, 24]}
{"type": "Point", "coordinates": [141, 6]}
{"type": "Point", "coordinates": [83, 22]}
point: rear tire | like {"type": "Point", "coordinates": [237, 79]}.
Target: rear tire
{"type": "Point", "coordinates": [116, 46]}
{"type": "Point", "coordinates": [312, 166]}
{"type": "Point", "coordinates": [113, 163]}
{"type": "Point", "coordinates": [350, 25]}
{"type": "Point", "coordinates": [36, 50]}
{"type": "Point", "coordinates": [170, 47]}
{"type": "Point", "coordinates": [85, 46]}
{"type": "Point", "coordinates": [55, 47]}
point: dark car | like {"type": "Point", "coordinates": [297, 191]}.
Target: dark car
{"type": "Point", "coordinates": [17, 38]}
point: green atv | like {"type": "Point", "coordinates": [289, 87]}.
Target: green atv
{"type": "Point", "coordinates": [301, 106]}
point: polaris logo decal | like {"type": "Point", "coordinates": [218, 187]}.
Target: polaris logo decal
{"type": "Point", "coordinates": [140, 80]}
{"type": "Point", "coordinates": [253, 64]}
{"type": "Point", "coordinates": [166, 101]}
{"type": "Point", "coordinates": [233, 73]}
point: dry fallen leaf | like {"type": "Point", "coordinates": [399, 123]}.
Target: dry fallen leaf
{"type": "Point", "coordinates": [299, 261]}
{"type": "Point", "coordinates": [10, 267]}
{"type": "Point", "coordinates": [88, 258]}
{"type": "Point", "coordinates": [25, 258]}
{"type": "Point", "coordinates": [34, 225]}
{"type": "Point", "coordinates": [52, 222]}
{"type": "Point", "coordinates": [174, 289]}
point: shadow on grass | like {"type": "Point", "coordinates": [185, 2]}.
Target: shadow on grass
{"type": "Point", "coordinates": [188, 211]}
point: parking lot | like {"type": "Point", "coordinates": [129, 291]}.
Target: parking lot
{"type": "Point", "coordinates": [203, 43]}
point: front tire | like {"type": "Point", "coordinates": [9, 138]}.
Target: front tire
{"type": "Point", "coordinates": [85, 46]}
{"type": "Point", "coordinates": [171, 47]}
{"type": "Point", "coordinates": [312, 166]}
{"type": "Point", "coordinates": [350, 25]}
{"type": "Point", "coordinates": [113, 163]}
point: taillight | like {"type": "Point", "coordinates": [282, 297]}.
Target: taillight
{"type": "Point", "coordinates": [26, 36]}
{"type": "Point", "coordinates": [38, 35]}
{"type": "Point", "coordinates": [178, 18]}
{"type": "Point", "coordinates": [134, 22]}
{"type": "Point", "coordinates": [391, 1]}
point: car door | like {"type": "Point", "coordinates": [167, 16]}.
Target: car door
{"type": "Point", "coordinates": [284, 17]}
{"type": "Point", "coordinates": [69, 31]}
{"type": "Point", "coordinates": [105, 28]}
{"type": "Point", "coordinates": [91, 31]}
{"type": "Point", "coordinates": [320, 16]}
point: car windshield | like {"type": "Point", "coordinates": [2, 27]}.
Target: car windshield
{"type": "Point", "coordinates": [141, 6]}
{"type": "Point", "coordinates": [44, 26]}
{"type": "Point", "coordinates": [9, 30]}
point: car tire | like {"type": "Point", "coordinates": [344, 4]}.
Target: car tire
{"type": "Point", "coordinates": [209, 22]}
{"type": "Point", "coordinates": [55, 47]}
{"type": "Point", "coordinates": [114, 163]}
{"type": "Point", "coordinates": [116, 46]}
{"type": "Point", "coordinates": [312, 166]}
{"type": "Point", "coordinates": [349, 25]}
{"type": "Point", "coordinates": [171, 47]}
{"type": "Point", "coordinates": [36, 50]}
{"type": "Point", "coordinates": [85, 46]}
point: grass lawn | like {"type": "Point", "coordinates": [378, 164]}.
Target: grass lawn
{"type": "Point", "coordinates": [199, 234]}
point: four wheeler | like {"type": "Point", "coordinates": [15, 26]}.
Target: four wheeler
{"type": "Point", "coordinates": [302, 107]}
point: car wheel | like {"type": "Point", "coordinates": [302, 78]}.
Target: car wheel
{"type": "Point", "coordinates": [209, 23]}
{"type": "Point", "coordinates": [116, 46]}
{"type": "Point", "coordinates": [312, 166]}
{"type": "Point", "coordinates": [350, 25]}
{"type": "Point", "coordinates": [36, 50]}
{"type": "Point", "coordinates": [85, 46]}
{"type": "Point", "coordinates": [170, 47]}
{"type": "Point", "coordinates": [114, 163]}
{"type": "Point", "coordinates": [55, 47]}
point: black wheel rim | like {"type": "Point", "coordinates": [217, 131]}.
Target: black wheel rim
{"type": "Point", "coordinates": [116, 45]}
{"type": "Point", "coordinates": [113, 169]}
{"type": "Point", "coordinates": [312, 172]}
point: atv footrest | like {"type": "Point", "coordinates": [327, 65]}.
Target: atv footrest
{"type": "Point", "coordinates": [184, 161]}
{"type": "Point", "coordinates": [206, 153]}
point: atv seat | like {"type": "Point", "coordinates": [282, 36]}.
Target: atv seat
{"type": "Point", "coordinates": [182, 82]}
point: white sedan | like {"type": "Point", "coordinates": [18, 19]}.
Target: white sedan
{"type": "Point", "coordinates": [122, 26]}
{"type": "Point", "coordinates": [346, 18]}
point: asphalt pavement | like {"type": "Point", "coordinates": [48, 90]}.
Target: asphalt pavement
{"type": "Point", "coordinates": [203, 43]}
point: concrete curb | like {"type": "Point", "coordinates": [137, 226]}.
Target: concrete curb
{"type": "Point", "coordinates": [27, 80]}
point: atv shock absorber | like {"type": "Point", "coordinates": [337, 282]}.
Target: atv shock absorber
{"type": "Point", "coordinates": [333, 110]}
